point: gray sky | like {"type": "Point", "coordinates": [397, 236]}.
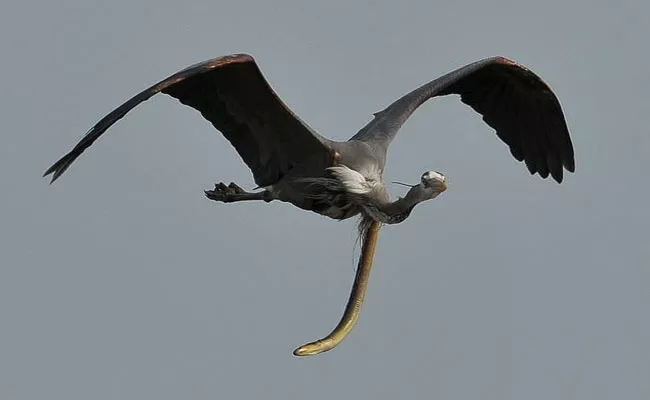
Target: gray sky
{"type": "Point", "coordinates": [123, 282]}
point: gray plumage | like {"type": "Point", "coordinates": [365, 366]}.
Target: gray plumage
{"type": "Point", "coordinates": [295, 164]}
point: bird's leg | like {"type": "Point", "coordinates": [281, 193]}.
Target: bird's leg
{"type": "Point", "coordinates": [232, 193]}
{"type": "Point", "coordinates": [353, 308]}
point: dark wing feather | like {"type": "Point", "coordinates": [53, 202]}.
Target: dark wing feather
{"type": "Point", "coordinates": [514, 101]}
{"type": "Point", "coordinates": [233, 95]}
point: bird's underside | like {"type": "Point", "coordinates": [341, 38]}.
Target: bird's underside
{"type": "Point", "coordinates": [334, 204]}
{"type": "Point", "coordinates": [291, 162]}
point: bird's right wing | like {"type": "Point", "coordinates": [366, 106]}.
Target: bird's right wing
{"type": "Point", "coordinates": [513, 100]}
{"type": "Point", "coordinates": [233, 95]}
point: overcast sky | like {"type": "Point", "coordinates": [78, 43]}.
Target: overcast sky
{"type": "Point", "coordinates": [121, 281]}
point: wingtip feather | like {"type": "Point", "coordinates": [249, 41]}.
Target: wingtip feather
{"type": "Point", "coordinates": [558, 176]}
{"type": "Point", "coordinates": [58, 168]}
{"type": "Point", "coordinates": [570, 165]}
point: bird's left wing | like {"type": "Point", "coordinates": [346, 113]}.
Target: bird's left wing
{"type": "Point", "coordinates": [231, 93]}
{"type": "Point", "coordinates": [513, 100]}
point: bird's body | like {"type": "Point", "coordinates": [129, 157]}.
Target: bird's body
{"type": "Point", "coordinates": [352, 169]}
{"type": "Point", "coordinates": [293, 163]}
{"type": "Point", "coordinates": [319, 191]}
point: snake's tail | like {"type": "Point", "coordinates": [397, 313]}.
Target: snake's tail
{"type": "Point", "coordinates": [353, 308]}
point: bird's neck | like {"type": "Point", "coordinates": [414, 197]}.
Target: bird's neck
{"type": "Point", "coordinates": [394, 212]}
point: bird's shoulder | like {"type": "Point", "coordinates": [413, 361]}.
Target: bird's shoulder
{"type": "Point", "coordinates": [361, 157]}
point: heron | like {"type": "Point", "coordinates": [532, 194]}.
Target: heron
{"type": "Point", "coordinates": [291, 162]}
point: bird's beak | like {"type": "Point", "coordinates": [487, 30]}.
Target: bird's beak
{"type": "Point", "coordinates": [443, 186]}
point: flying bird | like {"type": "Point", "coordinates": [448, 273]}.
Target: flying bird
{"type": "Point", "coordinates": [291, 162]}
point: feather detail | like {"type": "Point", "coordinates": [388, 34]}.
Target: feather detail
{"type": "Point", "coordinates": [353, 181]}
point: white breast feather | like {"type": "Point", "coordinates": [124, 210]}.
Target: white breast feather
{"type": "Point", "coordinates": [353, 181]}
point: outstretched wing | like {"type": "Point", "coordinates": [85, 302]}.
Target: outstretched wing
{"type": "Point", "coordinates": [233, 95]}
{"type": "Point", "coordinates": [514, 101]}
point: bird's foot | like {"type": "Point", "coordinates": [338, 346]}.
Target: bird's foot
{"type": "Point", "coordinates": [224, 193]}
{"type": "Point", "coordinates": [232, 192]}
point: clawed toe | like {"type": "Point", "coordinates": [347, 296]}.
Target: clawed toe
{"type": "Point", "coordinates": [213, 195]}
{"type": "Point", "coordinates": [235, 189]}
{"type": "Point", "coordinates": [221, 192]}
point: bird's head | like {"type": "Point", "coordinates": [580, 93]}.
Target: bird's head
{"type": "Point", "coordinates": [432, 184]}
{"type": "Point", "coordinates": [434, 180]}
